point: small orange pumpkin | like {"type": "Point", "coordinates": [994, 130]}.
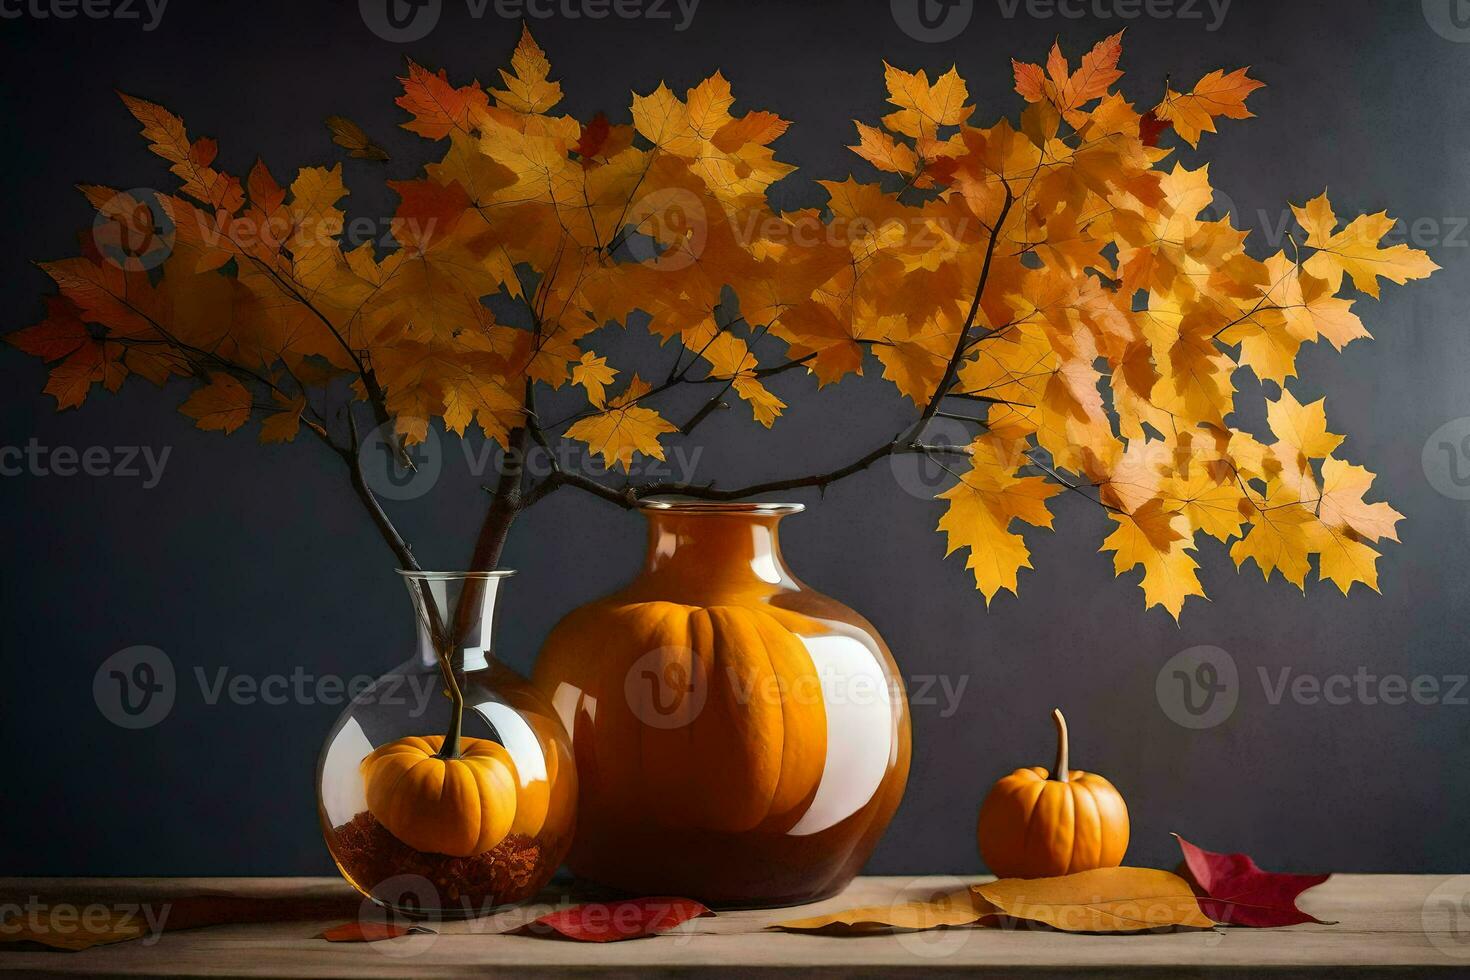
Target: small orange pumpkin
{"type": "Point", "coordinates": [1036, 824]}
{"type": "Point", "coordinates": [461, 806]}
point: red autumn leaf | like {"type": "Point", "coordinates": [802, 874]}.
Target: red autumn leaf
{"type": "Point", "coordinates": [438, 108]}
{"type": "Point", "coordinates": [203, 151]}
{"type": "Point", "coordinates": [369, 932]}
{"type": "Point", "coordinates": [265, 193]}
{"type": "Point", "coordinates": [607, 922]}
{"type": "Point", "coordinates": [428, 211]}
{"type": "Point", "coordinates": [54, 337]}
{"type": "Point", "coordinates": [1151, 127]}
{"type": "Point", "coordinates": [1234, 891]}
{"type": "Point", "coordinates": [593, 138]}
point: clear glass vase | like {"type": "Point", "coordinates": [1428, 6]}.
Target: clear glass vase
{"type": "Point", "coordinates": [447, 788]}
{"type": "Point", "coordinates": [740, 738]}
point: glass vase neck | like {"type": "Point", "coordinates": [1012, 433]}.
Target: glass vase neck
{"type": "Point", "coordinates": [696, 551]}
{"type": "Point", "coordinates": [455, 613]}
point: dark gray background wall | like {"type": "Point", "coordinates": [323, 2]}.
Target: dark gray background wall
{"type": "Point", "coordinates": [257, 562]}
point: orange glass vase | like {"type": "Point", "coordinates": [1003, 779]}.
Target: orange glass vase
{"type": "Point", "coordinates": [739, 738]}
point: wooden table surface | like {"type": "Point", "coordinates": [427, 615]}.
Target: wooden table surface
{"type": "Point", "coordinates": [1421, 923]}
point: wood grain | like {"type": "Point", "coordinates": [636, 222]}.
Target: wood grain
{"type": "Point", "coordinates": [1386, 923]}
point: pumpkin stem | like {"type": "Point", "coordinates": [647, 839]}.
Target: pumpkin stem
{"type": "Point", "coordinates": [452, 746]}
{"type": "Point", "coordinates": [1059, 770]}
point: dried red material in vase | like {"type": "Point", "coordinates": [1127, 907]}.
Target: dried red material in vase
{"type": "Point", "coordinates": [506, 873]}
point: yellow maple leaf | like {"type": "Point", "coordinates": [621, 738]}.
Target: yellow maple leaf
{"type": "Point", "coordinates": [1357, 250]}
{"type": "Point", "coordinates": [1301, 429]}
{"type": "Point", "coordinates": [624, 428]}
{"type": "Point", "coordinates": [1160, 540]}
{"type": "Point", "coordinates": [982, 506]}
{"type": "Point", "coordinates": [528, 87]}
{"type": "Point", "coordinates": [593, 374]}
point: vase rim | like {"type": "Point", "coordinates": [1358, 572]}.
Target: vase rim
{"type": "Point", "coordinates": [757, 508]}
{"type": "Point", "coordinates": [437, 576]}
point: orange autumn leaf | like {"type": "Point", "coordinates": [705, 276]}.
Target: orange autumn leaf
{"type": "Point", "coordinates": [1216, 95]}
{"type": "Point", "coordinates": [223, 404]}
{"type": "Point", "coordinates": [1102, 900]}
{"type": "Point", "coordinates": [962, 907]}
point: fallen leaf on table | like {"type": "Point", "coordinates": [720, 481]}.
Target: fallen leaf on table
{"type": "Point", "coordinates": [606, 922]}
{"type": "Point", "coordinates": [1102, 900]}
{"type": "Point", "coordinates": [958, 908]}
{"type": "Point", "coordinates": [370, 931]}
{"type": "Point", "coordinates": [74, 922]}
{"type": "Point", "coordinates": [1234, 891]}
{"type": "Point", "coordinates": [72, 936]}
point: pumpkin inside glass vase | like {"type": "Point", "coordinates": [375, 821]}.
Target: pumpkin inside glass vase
{"type": "Point", "coordinates": [740, 738]}
{"type": "Point", "coordinates": [446, 788]}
